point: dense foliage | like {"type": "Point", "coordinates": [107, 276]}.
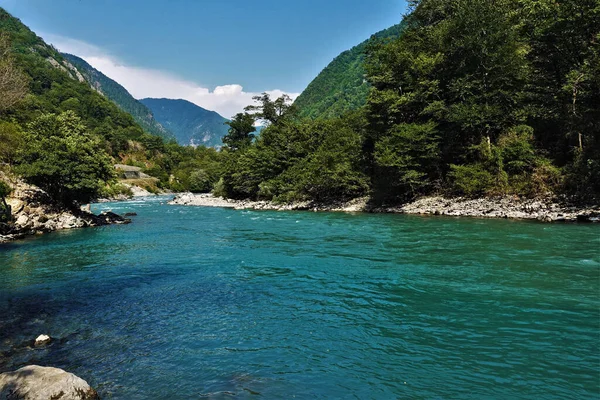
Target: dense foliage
{"type": "Point", "coordinates": [341, 86]}
{"type": "Point", "coordinates": [63, 158]}
{"type": "Point", "coordinates": [191, 124]}
{"type": "Point", "coordinates": [64, 136]}
{"type": "Point", "coordinates": [502, 107]}
{"type": "Point", "coordinates": [120, 96]}
{"type": "Point", "coordinates": [475, 98]}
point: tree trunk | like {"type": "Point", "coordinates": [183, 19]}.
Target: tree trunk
{"type": "Point", "coordinates": [5, 213]}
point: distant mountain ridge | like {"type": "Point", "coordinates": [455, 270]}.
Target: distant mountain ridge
{"type": "Point", "coordinates": [341, 86]}
{"type": "Point", "coordinates": [120, 96]}
{"type": "Point", "coordinates": [192, 125]}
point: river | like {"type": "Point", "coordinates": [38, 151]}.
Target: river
{"type": "Point", "coordinates": [192, 302]}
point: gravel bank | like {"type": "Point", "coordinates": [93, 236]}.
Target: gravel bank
{"type": "Point", "coordinates": [503, 207]}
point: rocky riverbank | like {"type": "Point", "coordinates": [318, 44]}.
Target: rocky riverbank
{"type": "Point", "coordinates": [502, 207]}
{"type": "Point", "coordinates": [33, 212]}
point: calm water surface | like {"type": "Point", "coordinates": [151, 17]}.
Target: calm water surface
{"type": "Point", "coordinates": [207, 302]}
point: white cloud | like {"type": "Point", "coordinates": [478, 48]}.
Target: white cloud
{"type": "Point", "coordinates": [227, 100]}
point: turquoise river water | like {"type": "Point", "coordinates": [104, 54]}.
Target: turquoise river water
{"type": "Point", "coordinates": [191, 302]}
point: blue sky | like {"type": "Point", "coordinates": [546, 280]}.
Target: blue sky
{"type": "Point", "coordinates": [260, 45]}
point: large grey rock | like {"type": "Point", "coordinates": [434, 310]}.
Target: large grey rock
{"type": "Point", "coordinates": [44, 383]}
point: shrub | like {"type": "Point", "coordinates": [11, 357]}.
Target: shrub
{"type": "Point", "coordinates": [219, 189]}
{"type": "Point", "coordinates": [200, 181]}
{"type": "Point", "coordinates": [470, 180]}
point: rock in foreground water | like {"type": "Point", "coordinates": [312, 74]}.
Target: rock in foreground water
{"type": "Point", "coordinates": [42, 340]}
{"type": "Point", "coordinates": [44, 383]}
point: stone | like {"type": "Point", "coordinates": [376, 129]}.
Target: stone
{"type": "Point", "coordinates": [583, 218]}
{"type": "Point", "coordinates": [42, 340]}
{"type": "Point", "coordinates": [22, 220]}
{"type": "Point", "coordinates": [111, 218]}
{"type": "Point", "coordinates": [44, 383]}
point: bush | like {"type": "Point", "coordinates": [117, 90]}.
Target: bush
{"type": "Point", "coordinates": [200, 182]}
{"type": "Point", "coordinates": [115, 190]}
{"type": "Point", "coordinates": [470, 180]}
{"type": "Point", "coordinates": [11, 139]}
{"type": "Point", "coordinates": [517, 151]}
{"type": "Point", "coordinates": [219, 189]}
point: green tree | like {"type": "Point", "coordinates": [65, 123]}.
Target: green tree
{"type": "Point", "coordinates": [334, 170]}
{"type": "Point", "coordinates": [199, 181]}
{"type": "Point", "coordinates": [240, 133]}
{"type": "Point", "coordinates": [5, 211]}
{"type": "Point", "coordinates": [13, 83]}
{"type": "Point", "coordinates": [271, 111]}
{"type": "Point", "coordinates": [11, 139]}
{"type": "Point", "coordinates": [64, 159]}
{"type": "Point", "coordinates": [407, 159]}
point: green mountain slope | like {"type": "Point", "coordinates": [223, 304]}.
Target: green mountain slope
{"type": "Point", "coordinates": [120, 96]}
{"type": "Point", "coordinates": [58, 133]}
{"type": "Point", "coordinates": [341, 86]}
{"type": "Point", "coordinates": [191, 125]}
{"type": "Point", "coordinates": [55, 85]}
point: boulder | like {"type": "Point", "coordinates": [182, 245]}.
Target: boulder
{"type": "Point", "coordinates": [23, 220]}
{"type": "Point", "coordinates": [42, 340]}
{"type": "Point", "coordinates": [110, 217]}
{"type": "Point", "coordinates": [44, 383]}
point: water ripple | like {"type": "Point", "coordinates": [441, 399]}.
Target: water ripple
{"type": "Point", "coordinates": [219, 303]}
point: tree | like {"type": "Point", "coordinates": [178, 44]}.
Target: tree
{"type": "Point", "coordinates": [10, 141]}
{"type": "Point", "coordinates": [407, 159]}
{"type": "Point", "coordinates": [200, 181]}
{"type": "Point", "coordinates": [240, 133]}
{"type": "Point", "coordinates": [271, 111]}
{"type": "Point", "coordinates": [64, 159]}
{"type": "Point", "coordinates": [13, 83]}
{"type": "Point", "coordinates": [5, 211]}
{"type": "Point", "coordinates": [333, 171]}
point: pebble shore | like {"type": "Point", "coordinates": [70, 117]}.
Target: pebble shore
{"type": "Point", "coordinates": [502, 207]}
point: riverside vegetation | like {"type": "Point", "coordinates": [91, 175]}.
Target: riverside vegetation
{"type": "Point", "coordinates": [474, 98]}
{"type": "Point", "coordinates": [59, 134]}
{"type": "Point", "coordinates": [465, 98]}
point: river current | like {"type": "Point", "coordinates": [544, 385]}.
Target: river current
{"type": "Point", "coordinates": [192, 302]}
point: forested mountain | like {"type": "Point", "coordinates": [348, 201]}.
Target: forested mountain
{"type": "Point", "coordinates": [191, 124]}
{"type": "Point", "coordinates": [475, 98]}
{"type": "Point", "coordinates": [342, 86]}
{"type": "Point", "coordinates": [120, 96]}
{"type": "Point", "coordinates": [58, 133]}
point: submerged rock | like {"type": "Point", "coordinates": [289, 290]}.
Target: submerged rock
{"type": "Point", "coordinates": [42, 340]}
{"type": "Point", "coordinates": [44, 383]}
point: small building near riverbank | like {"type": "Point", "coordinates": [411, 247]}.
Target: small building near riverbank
{"type": "Point", "coordinates": [130, 172]}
